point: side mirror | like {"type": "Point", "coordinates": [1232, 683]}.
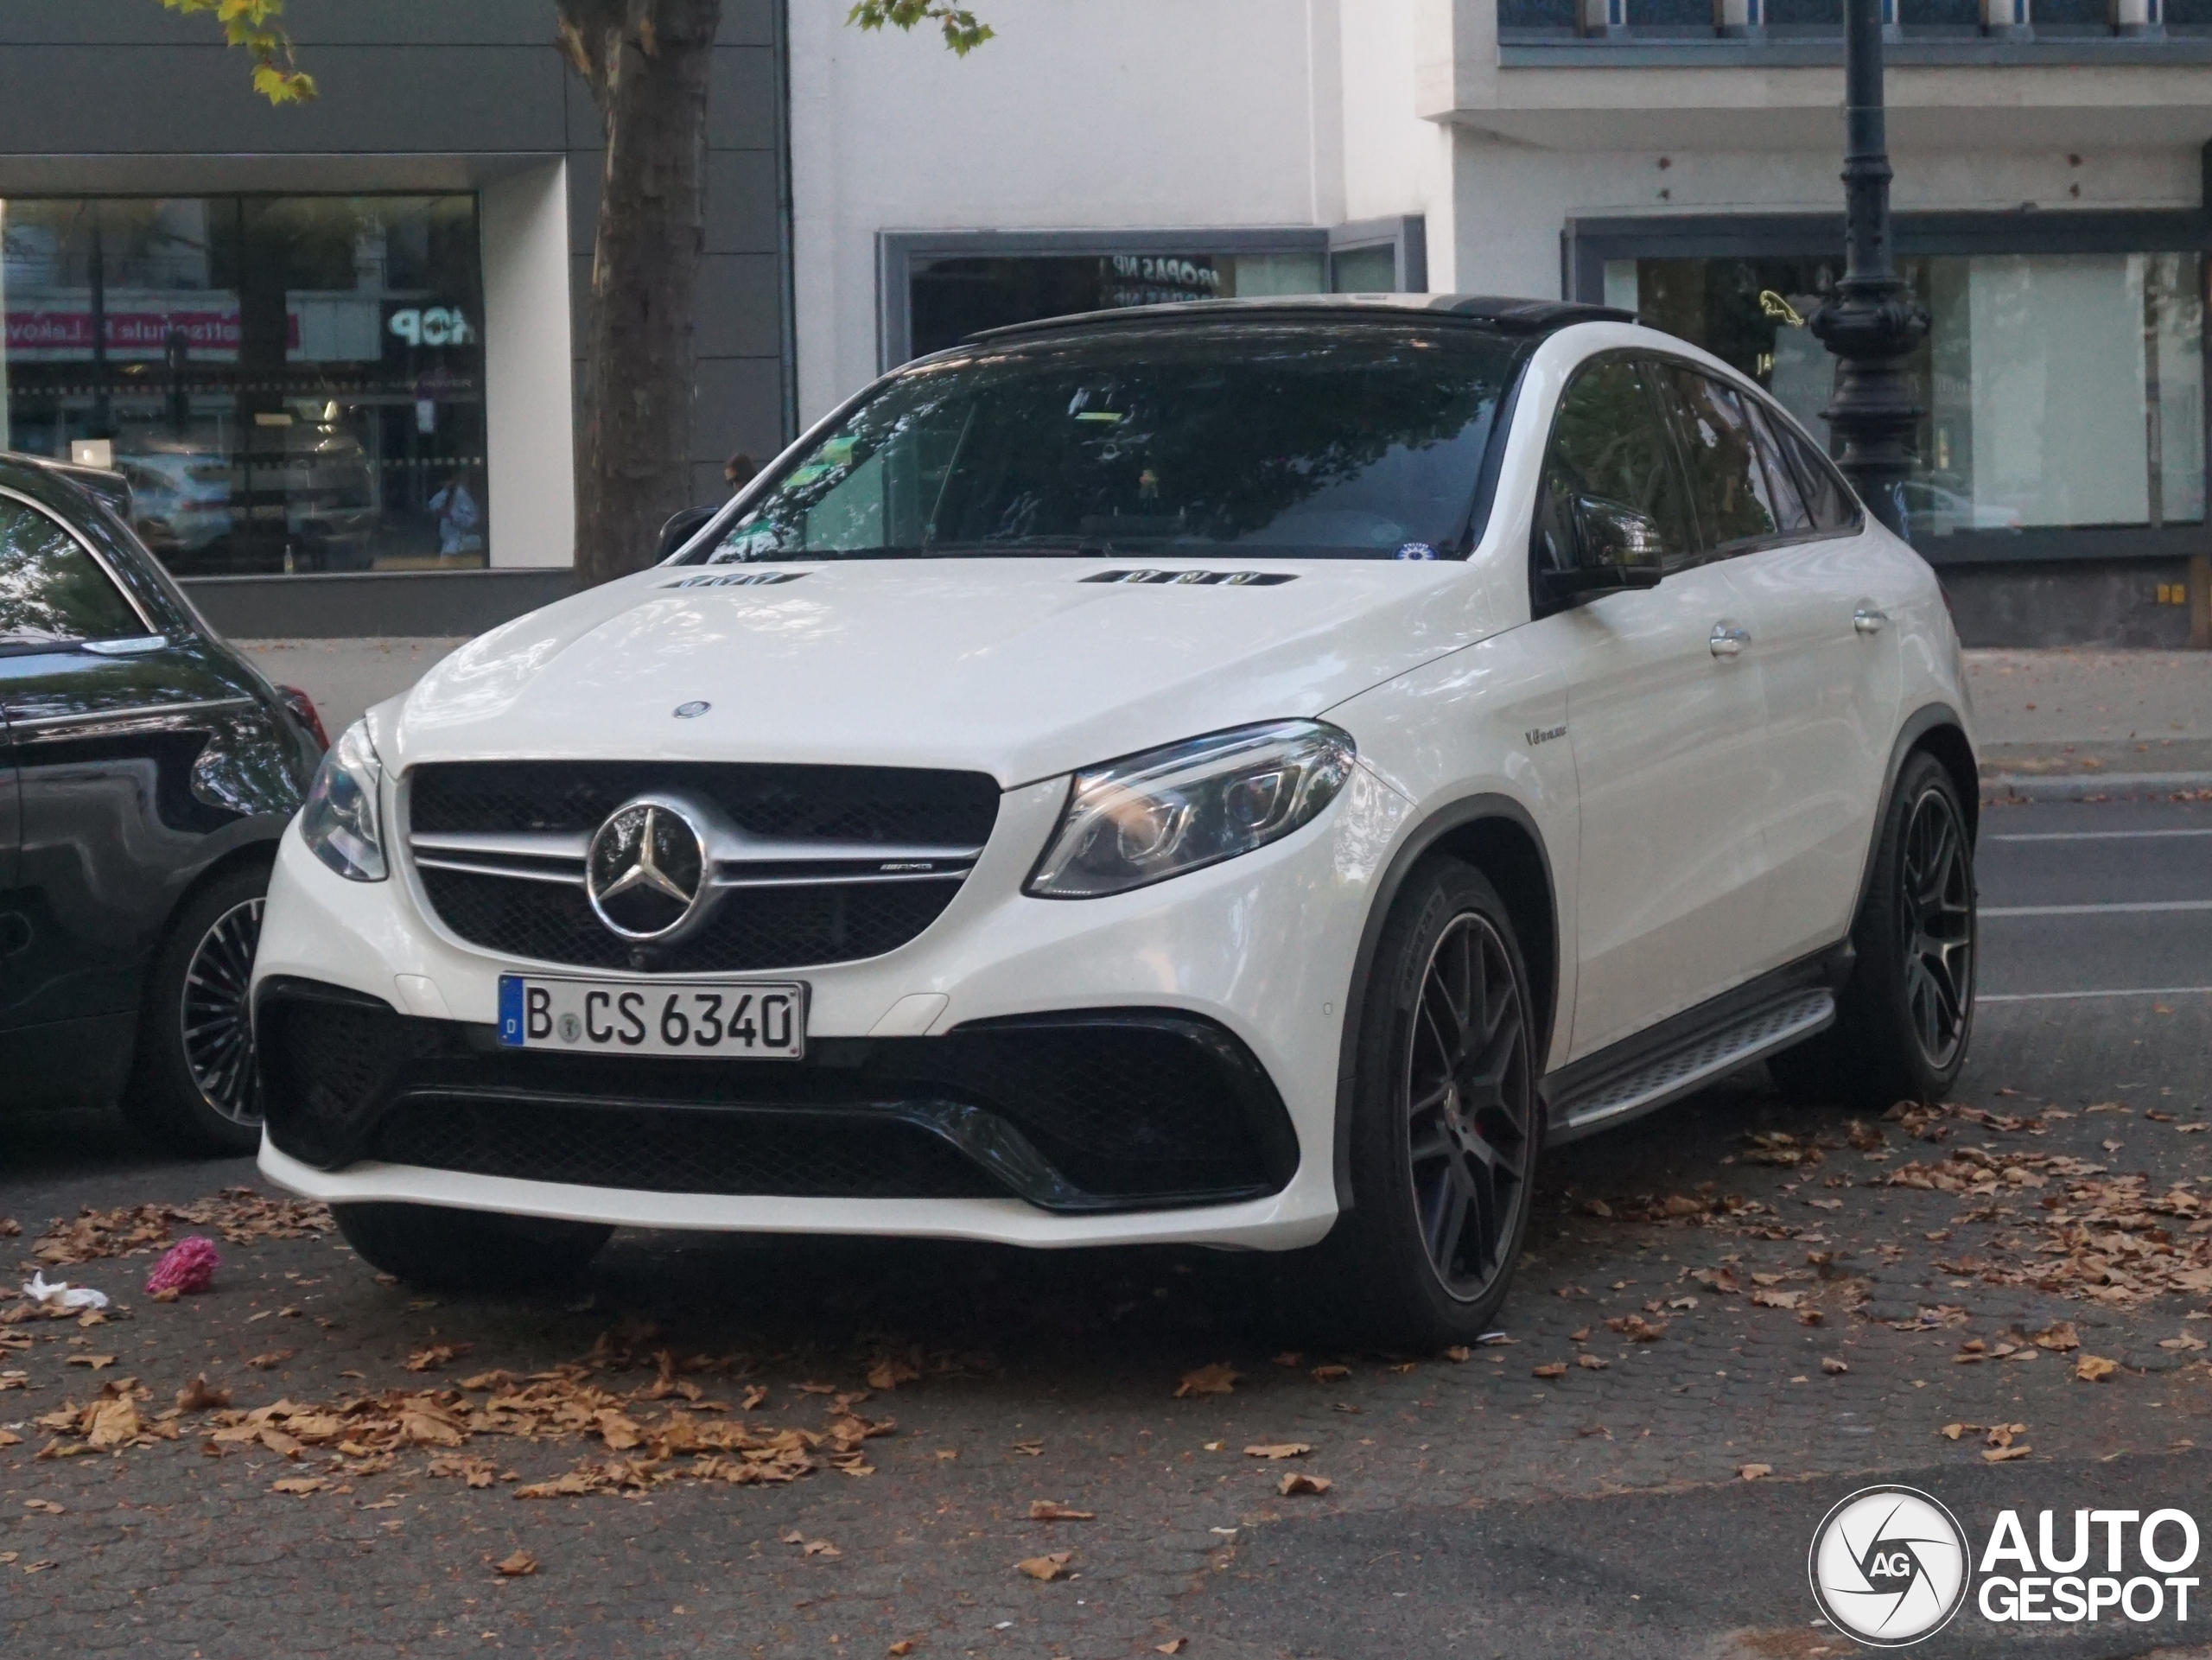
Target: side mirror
{"type": "Point", "coordinates": [1614, 548]}
{"type": "Point", "coordinates": [682, 526]}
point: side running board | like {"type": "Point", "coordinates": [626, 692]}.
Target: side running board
{"type": "Point", "coordinates": [1609, 1095]}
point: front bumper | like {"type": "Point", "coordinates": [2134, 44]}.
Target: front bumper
{"type": "Point", "coordinates": [1241, 970]}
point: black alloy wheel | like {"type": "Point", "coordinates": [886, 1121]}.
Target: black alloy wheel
{"type": "Point", "coordinates": [1444, 1128]}
{"type": "Point", "coordinates": [1934, 897]}
{"type": "Point", "coordinates": [1468, 1140]}
{"type": "Point", "coordinates": [214, 1023]}
{"type": "Point", "coordinates": [1905, 1019]}
{"type": "Point", "coordinates": [194, 1082]}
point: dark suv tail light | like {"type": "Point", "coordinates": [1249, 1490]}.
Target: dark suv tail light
{"type": "Point", "coordinates": [303, 706]}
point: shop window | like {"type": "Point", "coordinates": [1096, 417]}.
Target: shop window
{"type": "Point", "coordinates": [2058, 391]}
{"type": "Point", "coordinates": [289, 384]}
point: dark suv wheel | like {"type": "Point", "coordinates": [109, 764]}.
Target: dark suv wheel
{"type": "Point", "coordinates": [193, 1082]}
{"type": "Point", "coordinates": [1904, 1019]}
{"type": "Point", "coordinates": [1445, 1124]}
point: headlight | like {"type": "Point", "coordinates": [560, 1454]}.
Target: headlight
{"type": "Point", "coordinates": [340, 820]}
{"type": "Point", "coordinates": [1192, 804]}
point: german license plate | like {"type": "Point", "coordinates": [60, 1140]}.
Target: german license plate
{"type": "Point", "coordinates": [762, 1020]}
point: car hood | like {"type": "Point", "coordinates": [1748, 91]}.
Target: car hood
{"type": "Point", "coordinates": [1022, 669]}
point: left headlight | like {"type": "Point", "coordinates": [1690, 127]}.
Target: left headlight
{"type": "Point", "coordinates": [339, 822]}
{"type": "Point", "coordinates": [1191, 804]}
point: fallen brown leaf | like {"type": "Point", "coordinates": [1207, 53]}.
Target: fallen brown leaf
{"type": "Point", "coordinates": [1832, 1365]}
{"type": "Point", "coordinates": [1590, 1363]}
{"type": "Point", "coordinates": [271, 1361]}
{"type": "Point", "coordinates": [1753, 1472]}
{"type": "Point", "coordinates": [1219, 1378]}
{"type": "Point", "coordinates": [299, 1485]}
{"type": "Point", "coordinates": [1297, 1481]}
{"type": "Point", "coordinates": [1050, 1510]}
{"type": "Point", "coordinates": [1554, 1369]}
{"type": "Point", "coordinates": [1331, 1374]}
{"type": "Point", "coordinates": [2094, 1368]}
{"type": "Point", "coordinates": [435, 1356]}
{"type": "Point", "coordinates": [1277, 1450]}
{"type": "Point", "coordinates": [198, 1397]}
{"type": "Point", "coordinates": [1053, 1567]}
{"type": "Point", "coordinates": [516, 1567]}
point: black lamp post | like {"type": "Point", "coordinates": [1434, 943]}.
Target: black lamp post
{"type": "Point", "coordinates": [1870, 323]}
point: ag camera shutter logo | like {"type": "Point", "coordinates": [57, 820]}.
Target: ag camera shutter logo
{"type": "Point", "coordinates": [1888, 1567]}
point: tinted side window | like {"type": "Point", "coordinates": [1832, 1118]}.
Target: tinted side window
{"type": "Point", "coordinates": [1727, 484]}
{"type": "Point", "coordinates": [1609, 441]}
{"type": "Point", "coordinates": [1826, 497]}
{"type": "Point", "coordinates": [1790, 512]}
{"type": "Point", "coordinates": [50, 588]}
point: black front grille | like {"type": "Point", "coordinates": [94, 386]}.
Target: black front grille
{"type": "Point", "coordinates": [854, 804]}
{"type": "Point", "coordinates": [1081, 1111]}
{"type": "Point", "coordinates": [678, 1150]}
{"type": "Point", "coordinates": [829, 809]}
{"type": "Point", "coordinates": [750, 928]}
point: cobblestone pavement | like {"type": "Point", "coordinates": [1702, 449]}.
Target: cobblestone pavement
{"type": "Point", "coordinates": [1473, 1507]}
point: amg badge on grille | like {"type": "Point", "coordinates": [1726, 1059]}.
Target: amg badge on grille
{"type": "Point", "coordinates": [646, 872]}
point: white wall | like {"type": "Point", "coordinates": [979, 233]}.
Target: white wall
{"type": "Point", "coordinates": [529, 441]}
{"type": "Point", "coordinates": [1138, 114]}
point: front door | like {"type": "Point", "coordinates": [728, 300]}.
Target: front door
{"type": "Point", "coordinates": [1813, 580]}
{"type": "Point", "coordinates": [105, 721]}
{"type": "Point", "coordinates": [1666, 719]}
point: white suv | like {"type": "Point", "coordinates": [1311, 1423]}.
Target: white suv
{"type": "Point", "coordinates": [1250, 773]}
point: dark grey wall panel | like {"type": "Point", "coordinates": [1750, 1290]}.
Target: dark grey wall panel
{"type": "Point", "coordinates": [740, 202]}
{"type": "Point", "coordinates": [384, 603]}
{"type": "Point", "coordinates": [743, 99]}
{"type": "Point", "coordinates": [311, 22]}
{"type": "Point", "coordinates": [165, 99]}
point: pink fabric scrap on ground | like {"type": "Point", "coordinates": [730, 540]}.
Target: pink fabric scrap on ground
{"type": "Point", "coordinates": [189, 1265]}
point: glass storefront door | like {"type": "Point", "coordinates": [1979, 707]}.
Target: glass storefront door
{"type": "Point", "coordinates": [2059, 391]}
{"type": "Point", "coordinates": [289, 384]}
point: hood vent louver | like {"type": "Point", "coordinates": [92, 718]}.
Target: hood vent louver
{"type": "Point", "coordinates": [738, 579]}
{"type": "Point", "coordinates": [1197, 578]}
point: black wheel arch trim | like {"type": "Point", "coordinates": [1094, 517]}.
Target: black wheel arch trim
{"type": "Point", "coordinates": [1423, 843]}
{"type": "Point", "coordinates": [1929, 717]}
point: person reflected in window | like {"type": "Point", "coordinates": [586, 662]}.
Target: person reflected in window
{"type": "Point", "coordinates": [738, 471]}
{"type": "Point", "coordinates": [458, 516]}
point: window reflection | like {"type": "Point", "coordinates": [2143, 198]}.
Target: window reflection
{"type": "Point", "coordinates": [2059, 391]}
{"type": "Point", "coordinates": [289, 383]}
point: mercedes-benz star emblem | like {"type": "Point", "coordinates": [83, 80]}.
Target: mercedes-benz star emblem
{"type": "Point", "coordinates": [645, 872]}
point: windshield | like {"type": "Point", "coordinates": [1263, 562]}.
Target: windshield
{"type": "Point", "coordinates": [1333, 441]}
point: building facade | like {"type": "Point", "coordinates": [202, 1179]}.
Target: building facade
{"type": "Point", "coordinates": [334, 347]}
{"type": "Point", "coordinates": [1679, 157]}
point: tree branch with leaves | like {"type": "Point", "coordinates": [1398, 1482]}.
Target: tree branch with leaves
{"type": "Point", "coordinates": [251, 26]}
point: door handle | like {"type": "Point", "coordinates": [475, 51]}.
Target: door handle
{"type": "Point", "coordinates": [1729, 642]}
{"type": "Point", "coordinates": [1869, 621]}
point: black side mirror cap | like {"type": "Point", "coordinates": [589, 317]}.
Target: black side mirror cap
{"type": "Point", "coordinates": [682, 526]}
{"type": "Point", "coordinates": [1565, 587]}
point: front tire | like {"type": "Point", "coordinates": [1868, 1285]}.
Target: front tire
{"type": "Point", "coordinates": [194, 1083]}
{"type": "Point", "coordinates": [1903, 1021]}
{"type": "Point", "coordinates": [1445, 1125]}
{"type": "Point", "coordinates": [443, 1249]}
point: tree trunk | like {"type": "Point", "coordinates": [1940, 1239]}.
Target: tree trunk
{"type": "Point", "coordinates": [646, 63]}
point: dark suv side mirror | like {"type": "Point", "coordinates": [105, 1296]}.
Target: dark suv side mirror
{"type": "Point", "coordinates": [1613, 547]}
{"type": "Point", "coordinates": [682, 526]}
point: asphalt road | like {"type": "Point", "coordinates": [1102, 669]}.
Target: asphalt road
{"type": "Point", "coordinates": [1474, 1508]}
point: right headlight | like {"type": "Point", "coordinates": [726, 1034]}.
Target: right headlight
{"type": "Point", "coordinates": [1191, 804]}
{"type": "Point", "coordinates": [339, 822]}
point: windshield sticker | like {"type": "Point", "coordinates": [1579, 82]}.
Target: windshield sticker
{"type": "Point", "coordinates": [1416, 550]}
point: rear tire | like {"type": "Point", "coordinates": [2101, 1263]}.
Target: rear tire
{"type": "Point", "coordinates": [444, 1250]}
{"type": "Point", "coordinates": [194, 1083]}
{"type": "Point", "coordinates": [1905, 1019]}
{"type": "Point", "coordinates": [1445, 1125]}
